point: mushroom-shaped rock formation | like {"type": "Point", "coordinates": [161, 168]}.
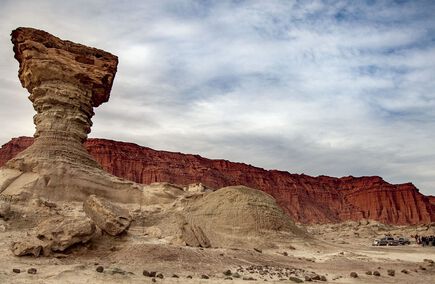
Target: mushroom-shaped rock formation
{"type": "Point", "coordinates": [66, 81]}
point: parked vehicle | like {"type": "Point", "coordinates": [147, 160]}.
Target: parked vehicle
{"type": "Point", "coordinates": [392, 242]}
{"type": "Point", "coordinates": [380, 242]}
{"type": "Point", "coordinates": [403, 241]}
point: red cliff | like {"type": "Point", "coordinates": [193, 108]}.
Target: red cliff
{"type": "Point", "coordinates": [307, 199]}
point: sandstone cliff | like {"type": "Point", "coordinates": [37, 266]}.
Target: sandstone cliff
{"type": "Point", "coordinates": [307, 199]}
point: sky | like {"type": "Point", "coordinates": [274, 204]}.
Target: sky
{"type": "Point", "coordinates": [317, 87]}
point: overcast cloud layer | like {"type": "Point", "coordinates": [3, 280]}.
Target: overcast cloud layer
{"type": "Point", "coordinates": [317, 87]}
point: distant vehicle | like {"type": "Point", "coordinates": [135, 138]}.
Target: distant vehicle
{"type": "Point", "coordinates": [380, 242]}
{"type": "Point", "coordinates": [403, 241]}
{"type": "Point", "coordinates": [391, 241]}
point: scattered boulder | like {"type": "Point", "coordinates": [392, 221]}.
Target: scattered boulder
{"type": "Point", "coordinates": [107, 216]}
{"type": "Point", "coordinates": [16, 270]}
{"type": "Point", "coordinates": [376, 273]}
{"type": "Point", "coordinates": [100, 269]}
{"type": "Point", "coordinates": [204, 276]}
{"type": "Point", "coordinates": [30, 246]}
{"type": "Point", "coordinates": [354, 274]}
{"type": "Point", "coordinates": [404, 271]}
{"type": "Point", "coordinates": [63, 232]}
{"type": "Point", "coordinates": [391, 272]}
{"type": "Point", "coordinates": [369, 272]}
{"type": "Point", "coordinates": [227, 272]}
{"type": "Point", "coordinates": [55, 234]}
{"type": "Point", "coordinates": [194, 236]}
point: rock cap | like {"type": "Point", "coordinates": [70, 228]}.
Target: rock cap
{"type": "Point", "coordinates": [44, 57]}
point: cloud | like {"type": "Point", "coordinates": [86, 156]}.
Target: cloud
{"type": "Point", "coordinates": [319, 87]}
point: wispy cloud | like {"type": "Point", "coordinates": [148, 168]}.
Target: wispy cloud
{"type": "Point", "coordinates": [320, 87]}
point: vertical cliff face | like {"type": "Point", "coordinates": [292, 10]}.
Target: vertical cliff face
{"type": "Point", "coordinates": [307, 199]}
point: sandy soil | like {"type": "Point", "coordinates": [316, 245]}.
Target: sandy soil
{"type": "Point", "coordinates": [336, 253]}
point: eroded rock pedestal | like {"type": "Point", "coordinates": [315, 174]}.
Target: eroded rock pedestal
{"type": "Point", "coordinates": [65, 81]}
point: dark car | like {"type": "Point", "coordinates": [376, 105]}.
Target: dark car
{"type": "Point", "coordinates": [380, 242]}
{"type": "Point", "coordinates": [403, 241]}
{"type": "Point", "coordinates": [392, 242]}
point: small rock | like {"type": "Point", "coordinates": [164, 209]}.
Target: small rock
{"type": "Point", "coordinates": [391, 272]}
{"type": "Point", "coordinates": [175, 276]}
{"type": "Point", "coordinates": [146, 273]}
{"type": "Point", "coordinates": [376, 273]}
{"type": "Point", "coordinates": [153, 280]}
{"type": "Point", "coordinates": [31, 270]}
{"type": "Point", "coordinates": [422, 267]}
{"type": "Point", "coordinates": [160, 275]}
{"type": "Point", "coordinates": [369, 272]}
{"type": "Point", "coordinates": [228, 278]}
{"type": "Point", "coordinates": [258, 250]}
{"type": "Point", "coordinates": [236, 275]}
{"type": "Point", "coordinates": [227, 272]}
{"type": "Point", "coordinates": [285, 253]}
{"type": "Point", "coordinates": [153, 274]}
{"type": "Point", "coordinates": [354, 274]}
{"type": "Point", "coordinates": [308, 278]}
{"type": "Point", "coordinates": [316, 277]}
{"type": "Point", "coordinates": [204, 276]}
{"type": "Point", "coordinates": [100, 269]}
{"type": "Point", "coordinates": [404, 271]}
{"type": "Point", "coordinates": [249, 278]}
{"type": "Point", "coordinates": [5, 209]}
{"type": "Point", "coordinates": [296, 280]}
{"type": "Point", "coordinates": [428, 260]}
{"type": "Point", "coordinates": [16, 270]}
{"type": "Point", "coordinates": [323, 278]}
{"type": "Point", "coordinates": [189, 276]}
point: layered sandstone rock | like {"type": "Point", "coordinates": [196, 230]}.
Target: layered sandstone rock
{"type": "Point", "coordinates": [65, 81]}
{"type": "Point", "coordinates": [307, 199]}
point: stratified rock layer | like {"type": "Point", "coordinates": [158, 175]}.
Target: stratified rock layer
{"type": "Point", "coordinates": [65, 81]}
{"type": "Point", "coordinates": [306, 199]}
{"type": "Point", "coordinates": [109, 217]}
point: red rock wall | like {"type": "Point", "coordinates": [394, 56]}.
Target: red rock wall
{"type": "Point", "coordinates": [307, 199]}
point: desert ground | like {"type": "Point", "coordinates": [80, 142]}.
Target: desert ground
{"type": "Point", "coordinates": [331, 255]}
